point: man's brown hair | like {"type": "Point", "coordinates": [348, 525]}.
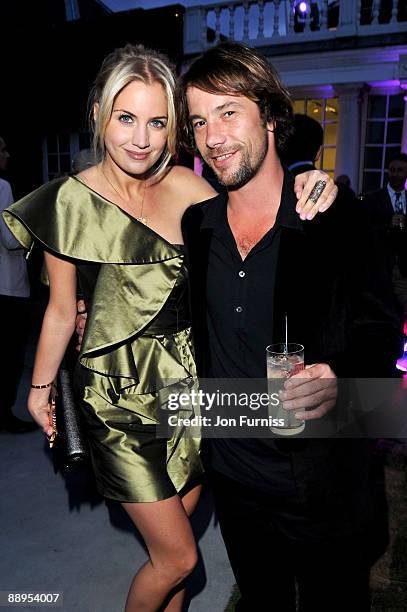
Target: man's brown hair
{"type": "Point", "coordinates": [235, 69]}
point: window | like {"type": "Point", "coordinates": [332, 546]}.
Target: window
{"type": "Point", "coordinates": [326, 111]}
{"type": "Point", "coordinates": [384, 126]}
{"type": "Point", "coordinates": [58, 151]}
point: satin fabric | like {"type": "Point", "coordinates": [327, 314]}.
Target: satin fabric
{"type": "Point", "coordinates": [133, 349]}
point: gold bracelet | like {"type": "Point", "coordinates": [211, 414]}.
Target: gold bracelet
{"type": "Point", "coordinates": [42, 386]}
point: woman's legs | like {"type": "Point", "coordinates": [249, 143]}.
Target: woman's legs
{"type": "Point", "coordinates": [168, 536]}
{"type": "Point", "coordinates": [176, 599]}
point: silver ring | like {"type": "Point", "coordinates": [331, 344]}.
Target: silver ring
{"type": "Point", "coordinates": [316, 191]}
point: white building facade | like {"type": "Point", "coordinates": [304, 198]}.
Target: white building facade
{"type": "Point", "coordinates": [344, 62]}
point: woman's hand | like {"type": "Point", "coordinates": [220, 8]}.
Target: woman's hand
{"type": "Point", "coordinates": [39, 408]}
{"type": "Point", "coordinates": [304, 184]}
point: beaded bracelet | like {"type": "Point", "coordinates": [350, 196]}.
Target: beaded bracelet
{"type": "Point", "coordinates": [42, 386]}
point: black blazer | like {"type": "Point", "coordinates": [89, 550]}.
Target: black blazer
{"type": "Point", "coordinates": [378, 208]}
{"type": "Point", "coordinates": [340, 306]}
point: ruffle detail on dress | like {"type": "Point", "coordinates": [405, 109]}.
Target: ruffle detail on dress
{"type": "Point", "coordinates": [59, 213]}
{"type": "Point", "coordinates": [138, 270]}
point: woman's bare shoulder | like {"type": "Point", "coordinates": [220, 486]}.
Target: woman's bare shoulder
{"type": "Point", "coordinates": [190, 187]}
{"type": "Point", "coordinates": [89, 176]}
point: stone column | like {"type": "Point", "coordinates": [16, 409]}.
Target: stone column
{"type": "Point", "coordinates": [403, 85]}
{"type": "Point", "coordinates": [194, 29]}
{"type": "Point", "coordinates": [349, 132]}
{"type": "Point", "coordinates": [404, 132]}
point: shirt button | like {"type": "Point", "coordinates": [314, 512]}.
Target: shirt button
{"type": "Point", "coordinates": [242, 274]}
{"type": "Point", "coordinates": [239, 309]}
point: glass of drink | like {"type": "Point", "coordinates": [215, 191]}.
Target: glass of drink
{"type": "Point", "coordinates": [283, 361]}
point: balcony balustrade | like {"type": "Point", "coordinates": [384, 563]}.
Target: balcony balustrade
{"type": "Point", "coordinates": [281, 22]}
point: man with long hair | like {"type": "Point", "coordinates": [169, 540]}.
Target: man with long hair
{"type": "Point", "coordinates": [303, 513]}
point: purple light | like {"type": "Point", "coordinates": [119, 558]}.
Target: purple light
{"type": "Point", "coordinates": [198, 166]}
{"type": "Point", "coordinates": [303, 6]}
{"type": "Point", "coordinates": [402, 362]}
{"type": "Point", "coordinates": [388, 83]}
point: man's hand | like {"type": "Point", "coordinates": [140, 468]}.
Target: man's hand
{"type": "Point", "coordinates": [303, 186]}
{"type": "Point", "coordinates": [80, 322]}
{"type": "Point", "coordinates": [312, 392]}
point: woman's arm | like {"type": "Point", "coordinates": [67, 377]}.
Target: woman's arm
{"type": "Point", "coordinates": [195, 189]}
{"type": "Point", "coordinates": [57, 328]}
{"type": "Point", "coordinates": [304, 184]}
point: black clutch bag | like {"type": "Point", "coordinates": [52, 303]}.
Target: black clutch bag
{"type": "Point", "coordinates": [70, 446]}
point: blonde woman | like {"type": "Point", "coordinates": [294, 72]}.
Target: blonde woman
{"type": "Point", "coordinates": [116, 228]}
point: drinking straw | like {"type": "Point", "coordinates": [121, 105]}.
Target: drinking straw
{"type": "Point", "coordinates": [286, 334]}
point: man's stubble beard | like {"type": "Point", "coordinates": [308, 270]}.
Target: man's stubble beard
{"type": "Point", "coordinates": [247, 170]}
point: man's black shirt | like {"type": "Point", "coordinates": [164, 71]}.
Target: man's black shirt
{"type": "Point", "coordinates": [240, 296]}
{"type": "Point", "coordinates": [240, 293]}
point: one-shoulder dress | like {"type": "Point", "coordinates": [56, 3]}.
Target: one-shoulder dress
{"type": "Point", "coordinates": [137, 342]}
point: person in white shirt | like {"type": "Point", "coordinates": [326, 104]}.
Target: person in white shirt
{"type": "Point", "coordinates": [397, 172]}
{"type": "Point", "coordinates": [396, 188]}
{"type": "Point", "coordinates": [14, 293]}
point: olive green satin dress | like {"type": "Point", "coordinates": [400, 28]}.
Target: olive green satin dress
{"type": "Point", "coordinates": [137, 342]}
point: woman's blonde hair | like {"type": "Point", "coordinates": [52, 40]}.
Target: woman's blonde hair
{"type": "Point", "coordinates": [121, 67]}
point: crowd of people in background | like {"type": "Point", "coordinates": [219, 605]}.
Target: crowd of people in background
{"type": "Point", "coordinates": [385, 210]}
